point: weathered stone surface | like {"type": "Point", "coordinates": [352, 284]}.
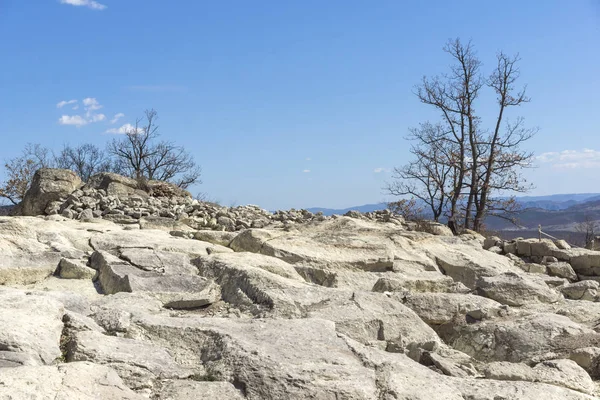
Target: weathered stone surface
{"type": "Point", "coordinates": [516, 290]}
{"type": "Point", "coordinates": [163, 262]}
{"type": "Point", "coordinates": [174, 290]}
{"type": "Point", "coordinates": [80, 380]}
{"type": "Point", "coordinates": [215, 237]}
{"type": "Point", "coordinates": [399, 378]}
{"type": "Point", "coordinates": [269, 359]}
{"type": "Point", "coordinates": [543, 248]}
{"type": "Point", "coordinates": [114, 184]}
{"type": "Point", "coordinates": [440, 308]}
{"type": "Point", "coordinates": [465, 263]}
{"type": "Point", "coordinates": [564, 373]}
{"type": "Point", "coordinates": [531, 338]}
{"type": "Point", "coordinates": [562, 244]}
{"type": "Point", "coordinates": [585, 262]}
{"type": "Point", "coordinates": [363, 250]}
{"type": "Point", "coordinates": [562, 270]}
{"type": "Point", "coordinates": [139, 364]}
{"type": "Point", "coordinates": [163, 224]}
{"type": "Point", "coordinates": [193, 390]}
{"type": "Point", "coordinates": [74, 269]}
{"type": "Point", "coordinates": [48, 185]}
{"type": "Point", "coordinates": [24, 259]}
{"type": "Point", "coordinates": [30, 327]}
{"type": "Point", "coordinates": [429, 282]}
{"type": "Point", "coordinates": [119, 240]}
{"type": "Point", "coordinates": [307, 307]}
{"type": "Point", "coordinates": [584, 290]}
{"type": "Point", "coordinates": [588, 358]}
{"type": "Point", "coordinates": [492, 241]}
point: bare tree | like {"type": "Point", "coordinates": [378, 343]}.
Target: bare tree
{"type": "Point", "coordinates": [428, 177]}
{"type": "Point", "coordinates": [20, 170]}
{"type": "Point", "coordinates": [589, 228]}
{"type": "Point", "coordinates": [454, 95]}
{"type": "Point", "coordinates": [86, 160]}
{"type": "Point", "coordinates": [139, 156]}
{"type": "Point", "coordinates": [501, 157]}
{"type": "Point", "coordinates": [472, 163]}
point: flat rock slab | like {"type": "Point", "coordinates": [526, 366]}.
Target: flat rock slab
{"type": "Point", "coordinates": [441, 308]}
{"type": "Point", "coordinates": [268, 359]}
{"type": "Point", "coordinates": [30, 327]}
{"type": "Point", "coordinates": [517, 289]}
{"type": "Point", "coordinates": [465, 263]}
{"type": "Point", "coordinates": [401, 378]}
{"type": "Point", "coordinates": [356, 245]}
{"type": "Point", "coordinates": [163, 262]}
{"type": "Point", "coordinates": [138, 363]}
{"type": "Point", "coordinates": [565, 373]}
{"type": "Point", "coordinates": [519, 339]}
{"type": "Point", "coordinates": [73, 381]}
{"type": "Point", "coordinates": [192, 390]}
{"type": "Point", "coordinates": [173, 290]}
{"type": "Point", "coordinates": [153, 239]}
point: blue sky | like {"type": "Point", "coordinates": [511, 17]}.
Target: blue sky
{"type": "Point", "coordinates": [295, 103]}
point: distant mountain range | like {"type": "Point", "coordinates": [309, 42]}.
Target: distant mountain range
{"type": "Point", "coordinates": [5, 210]}
{"type": "Point", "coordinates": [550, 202]}
{"type": "Point", "coordinates": [341, 211]}
{"type": "Point", "coordinates": [558, 212]}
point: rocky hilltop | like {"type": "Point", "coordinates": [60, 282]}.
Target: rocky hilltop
{"type": "Point", "coordinates": [117, 290]}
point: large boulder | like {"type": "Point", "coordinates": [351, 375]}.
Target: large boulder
{"type": "Point", "coordinates": [122, 186]}
{"type": "Point", "coordinates": [114, 184]}
{"type": "Point", "coordinates": [517, 289]}
{"type": "Point", "coordinates": [48, 185]}
{"type": "Point", "coordinates": [527, 338]}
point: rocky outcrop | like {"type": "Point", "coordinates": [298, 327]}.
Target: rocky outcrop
{"type": "Point", "coordinates": [290, 307]}
{"type": "Point", "coordinates": [158, 205]}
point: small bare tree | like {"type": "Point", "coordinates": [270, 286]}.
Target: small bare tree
{"type": "Point", "coordinates": [589, 228]}
{"type": "Point", "coordinates": [20, 170]}
{"type": "Point", "coordinates": [85, 160]}
{"type": "Point", "coordinates": [408, 208]}
{"type": "Point", "coordinates": [139, 156]}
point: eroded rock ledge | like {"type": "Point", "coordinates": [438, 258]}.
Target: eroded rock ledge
{"type": "Point", "coordinates": [352, 307]}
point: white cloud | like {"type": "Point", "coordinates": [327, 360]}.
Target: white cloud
{"type": "Point", "coordinates": [571, 159]}
{"type": "Point", "coordinates": [380, 170]}
{"type": "Point", "coordinates": [64, 103]}
{"type": "Point", "coordinates": [116, 118]}
{"type": "Point", "coordinates": [306, 171]}
{"type": "Point", "coordinates": [91, 104]}
{"type": "Point", "coordinates": [307, 158]}
{"type": "Point", "coordinates": [76, 120]}
{"type": "Point", "coordinates": [97, 117]}
{"type": "Point", "coordinates": [123, 129]}
{"type": "Point", "coordinates": [94, 5]}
